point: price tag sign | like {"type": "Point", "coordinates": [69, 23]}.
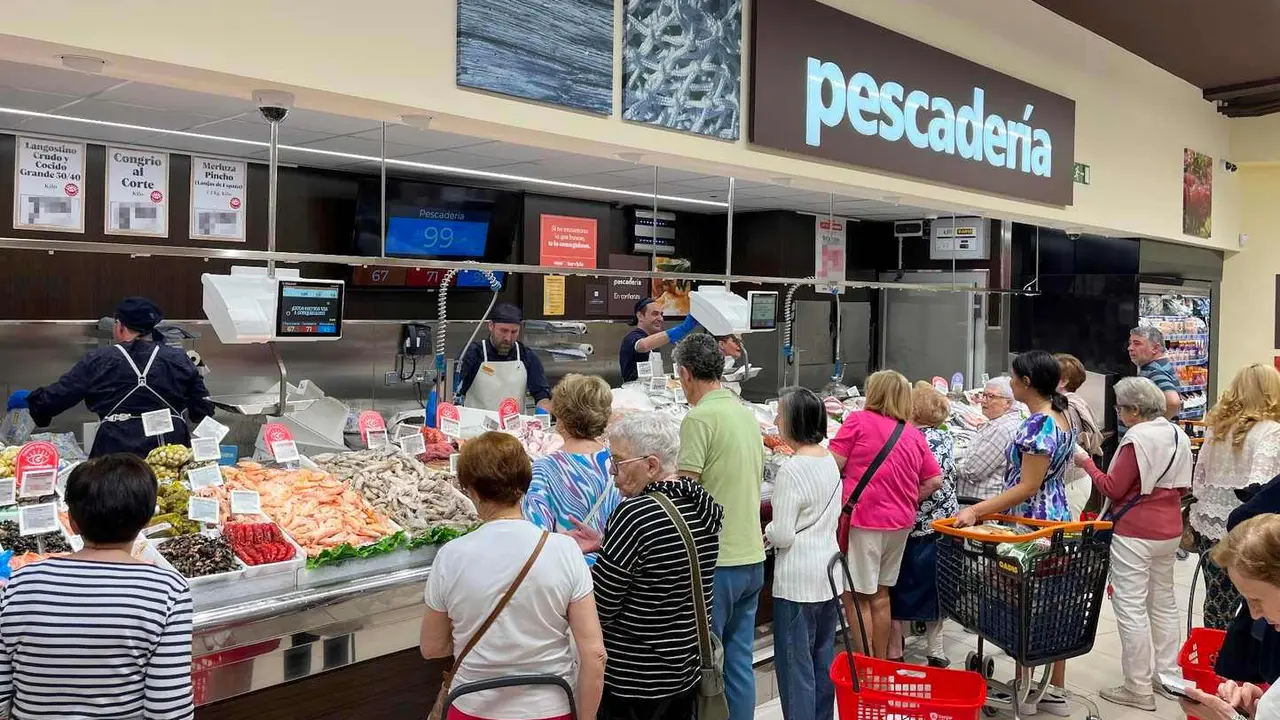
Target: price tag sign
{"type": "Point", "coordinates": [285, 451]}
{"type": "Point", "coordinates": [680, 396]}
{"type": "Point", "coordinates": [204, 476]}
{"type": "Point", "coordinates": [156, 529]}
{"type": "Point", "coordinates": [370, 422]}
{"type": "Point", "coordinates": [37, 519]}
{"type": "Point", "coordinates": [449, 420]}
{"type": "Point", "coordinates": [658, 384]}
{"type": "Point", "coordinates": [37, 483]}
{"type": "Point", "coordinates": [204, 449]}
{"type": "Point", "coordinates": [209, 427]}
{"type": "Point", "coordinates": [34, 456]}
{"type": "Point", "coordinates": [404, 431]}
{"type": "Point", "coordinates": [644, 370]}
{"type": "Point", "coordinates": [507, 409]}
{"type": "Point", "coordinates": [157, 422]}
{"type": "Point", "coordinates": [414, 444]}
{"type": "Point", "coordinates": [7, 490]}
{"type": "Point", "coordinates": [453, 463]}
{"type": "Point", "coordinates": [986, 378]}
{"type": "Point", "coordinates": [376, 439]}
{"type": "Point", "coordinates": [489, 423]}
{"type": "Point", "coordinates": [655, 364]}
{"type": "Point", "coordinates": [202, 509]}
{"type": "Point", "coordinates": [535, 424]}
{"type": "Point", "coordinates": [246, 502]}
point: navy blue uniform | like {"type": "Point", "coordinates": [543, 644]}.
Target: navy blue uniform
{"type": "Point", "coordinates": [628, 357]}
{"type": "Point", "coordinates": [539, 388]}
{"type": "Point", "coordinates": [103, 377]}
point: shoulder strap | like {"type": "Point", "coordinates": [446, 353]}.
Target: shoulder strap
{"type": "Point", "coordinates": [822, 512]}
{"type": "Point", "coordinates": [873, 467]}
{"type": "Point", "coordinates": [497, 610]}
{"type": "Point", "coordinates": [699, 600]}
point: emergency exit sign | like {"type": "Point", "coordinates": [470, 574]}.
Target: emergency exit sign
{"type": "Point", "coordinates": [1081, 174]}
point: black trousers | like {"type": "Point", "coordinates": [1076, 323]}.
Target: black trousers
{"type": "Point", "coordinates": [675, 707]}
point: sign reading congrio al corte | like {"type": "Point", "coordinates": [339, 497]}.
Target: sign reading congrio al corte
{"type": "Point", "coordinates": [836, 87]}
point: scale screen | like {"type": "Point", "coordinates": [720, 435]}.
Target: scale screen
{"type": "Point", "coordinates": [764, 309]}
{"type": "Point", "coordinates": [308, 309]}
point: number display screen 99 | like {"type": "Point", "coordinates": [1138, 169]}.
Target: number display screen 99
{"type": "Point", "coordinates": [443, 233]}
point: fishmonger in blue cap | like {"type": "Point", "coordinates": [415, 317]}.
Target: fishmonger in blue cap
{"type": "Point", "coordinates": [137, 375]}
{"type": "Point", "coordinates": [502, 366]}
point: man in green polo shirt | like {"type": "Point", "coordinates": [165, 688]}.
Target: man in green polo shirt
{"type": "Point", "coordinates": [721, 445]}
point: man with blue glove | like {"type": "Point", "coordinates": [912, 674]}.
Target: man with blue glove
{"type": "Point", "coordinates": [648, 336]}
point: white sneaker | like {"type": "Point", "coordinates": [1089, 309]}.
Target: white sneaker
{"type": "Point", "coordinates": [1124, 696]}
{"type": "Point", "coordinates": [1054, 702]}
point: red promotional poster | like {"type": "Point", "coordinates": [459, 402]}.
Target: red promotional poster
{"type": "Point", "coordinates": [567, 242]}
{"type": "Point", "coordinates": [280, 442]}
{"type": "Point", "coordinates": [508, 411]}
{"type": "Point", "coordinates": [39, 460]}
{"type": "Point", "coordinates": [370, 421]}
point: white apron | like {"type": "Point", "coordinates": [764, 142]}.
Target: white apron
{"type": "Point", "coordinates": [496, 380]}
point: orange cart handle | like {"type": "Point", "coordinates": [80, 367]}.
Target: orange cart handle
{"type": "Point", "coordinates": [1047, 528]}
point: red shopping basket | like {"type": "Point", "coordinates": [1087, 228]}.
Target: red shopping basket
{"type": "Point", "coordinates": [899, 691]}
{"type": "Point", "coordinates": [1198, 657]}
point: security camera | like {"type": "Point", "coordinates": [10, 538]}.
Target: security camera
{"type": "Point", "coordinates": [1074, 233]}
{"type": "Point", "coordinates": [1229, 166]}
{"type": "Point", "coordinates": [273, 104]}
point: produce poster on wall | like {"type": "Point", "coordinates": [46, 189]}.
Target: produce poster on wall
{"type": "Point", "coordinates": [218, 199]}
{"type": "Point", "coordinates": [137, 192]}
{"type": "Point", "coordinates": [1197, 194]}
{"type": "Point", "coordinates": [48, 188]}
{"type": "Point", "coordinates": [829, 251]}
{"type": "Point", "coordinates": [672, 294]}
{"type": "Point", "coordinates": [567, 242]}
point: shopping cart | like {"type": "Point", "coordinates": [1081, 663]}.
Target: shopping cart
{"type": "Point", "coordinates": [871, 689]}
{"type": "Point", "coordinates": [1038, 610]}
{"type": "Point", "coordinates": [507, 682]}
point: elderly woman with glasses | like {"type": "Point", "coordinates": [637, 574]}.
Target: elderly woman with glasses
{"type": "Point", "coordinates": [1144, 486]}
{"type": "Point", "coordinates": [980, 473]}
{"type": "Point", "coordinates": [644, 578]}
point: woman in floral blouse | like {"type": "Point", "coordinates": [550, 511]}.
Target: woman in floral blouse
{"type": "Point", "coordinates": [915, 597]}
{"type": "Point", "coordinates": [1034, 481]}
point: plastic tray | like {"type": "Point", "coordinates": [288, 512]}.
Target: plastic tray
{"type": "Point", "coordinates": [206, 590]}
{"type": "Point", "coordinates": [272, 578]}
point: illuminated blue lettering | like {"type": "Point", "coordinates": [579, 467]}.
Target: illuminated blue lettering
{"type": "Point", "coordinates": [993, 139]}
{"type": "Point", "coordinates": [818, 113]}
{"type": "Point", "coordinates": [891, 127]}
{"type": "Point", "coordinates": [864, 97]}
{"type": "Point", "coordinates": [969, 127]}
{"type": "Point", "coordinates": [942, 128]}
{"type": "Point", "coordinates": [916, 99]}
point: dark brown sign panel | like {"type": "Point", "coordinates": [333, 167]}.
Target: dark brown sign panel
{"type": "Point", "coordinates": [827, 84]}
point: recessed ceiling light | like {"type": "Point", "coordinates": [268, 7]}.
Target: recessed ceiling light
{"type": "Point", "coordinates": [418, 120]}
{"type": "Point", "coordinates": [781, 180]}
{"type": "Point", "coordinates": [354, 157]}
{"type": "Point", "coordinates": [83, 63]}
{"type": "Point", "coordinates": [631, 157]}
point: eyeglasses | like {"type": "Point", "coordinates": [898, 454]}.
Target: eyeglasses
{"type": "Point", "coordinates": [615, 462]}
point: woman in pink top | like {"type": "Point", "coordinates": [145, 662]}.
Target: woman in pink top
{"type": "Point", "coordinates": [1147, 477]}
{"type": "Point", "coordinates": [885, 512]}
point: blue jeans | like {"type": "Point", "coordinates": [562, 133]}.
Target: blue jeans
{"type": "Point", "coordinates": [804, 636]}
{"type": "Point", "coordinates": [733, 620]}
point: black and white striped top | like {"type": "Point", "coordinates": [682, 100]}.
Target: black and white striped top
{"type": "Point", "coordinates": [82, 639]}
{"type": "Point", "coordinates": [644, 590]}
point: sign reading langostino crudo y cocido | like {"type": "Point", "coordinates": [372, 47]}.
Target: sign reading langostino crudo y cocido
{"type": "Point", "coordinates": [833, 86]}
{"type": "Point", "coordinates": [48, 188]}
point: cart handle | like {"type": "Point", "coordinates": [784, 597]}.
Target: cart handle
{"type": "Point", "coordinates": [1047, 529]}
{"type": "Point", "coordinates": [511, 681]}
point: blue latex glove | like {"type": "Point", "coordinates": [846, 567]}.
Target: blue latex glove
{"type": "Point", "coordinates": [677, 333]}
{"type": "Point", "coordinates": [18, 400]}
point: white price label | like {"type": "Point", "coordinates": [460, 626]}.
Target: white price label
{"type": "Point", "coordinates": [450, 427]}
{"type": "Point", "coordinates": [38, 483]}
{"type": "Point", "coordinates": [986, 378]}
{"type": "Point", "coordinates": [658, 384]}
{"type": "Point", "coordinates": [680, 396]}
{"type": "Point", "coordinates": [655, 364]}
{"type": "Point", "coordinates": [513, 424]}
{"type": "Point", "coordinates": [204, 476]}
{"type": "Point", "coordinates": [156, 529]}
{"type": "Point", "coordinates": [644, 370]}
{"type": "Point", "coordinates": [285, 451]}
{"type": "Point", "coordinates": [37, 519]}
{"type": "Point", "coordinates": [209, 427]}
{"type": "Point", "coordinates": [246, 502]}
{"type": "Point", "coordinates": [453, 463]}
{"type": "Point", "coordinates": [414, 444]}
{"type": "Point", "coordinates": [202, 509]}
{"type": "Point", "coordinates": [489, 423]}
{"type": "Point", "coordinates": [535, 424]}
{"type": "Point", "coordinates": [7, 490]}
{"type": "Point", "coordinates": [377, 439]}
{"type": "Point", "coordinates": [157, 422]}
{"type": "Point", "coordinates": [404, 431]}
{"type": "Point", "coordinates": [204, 449]}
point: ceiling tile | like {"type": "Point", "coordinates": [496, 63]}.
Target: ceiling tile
{"type": "Point", "coordinates": [321, 123]}
{"type": "Point", "coordinates": [31, 100]}
{"type": "Point", "coordinates": [428, 139]}
{"type": "Point", "coordinates": [565, 167]}
{"type": "Point", "coordinates": [243, 130]}
{"type": "Point", "coordinates": [53, 80]}
{"type": "Point", "coordinates": [449, 158]}
{"type": "Point", "coordinates": [133, 115]}
{"type": "Point", "coordinates": [513, 153]}
{"type": "Point", "coordinates": [363, 146]}
{"type": "Point", "coordinates": [644, 173]}
{"type": "Point", "coordinates": [157, 96]}
{"type": "Point", "coordinates": [63, 128]}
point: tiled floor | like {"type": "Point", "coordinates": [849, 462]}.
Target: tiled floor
{"type": "Point", "coordinates": [1086, 675]}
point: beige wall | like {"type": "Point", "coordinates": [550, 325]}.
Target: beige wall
{"type": "Point", "coordinates": [1248, 305]}
{"type": "Point", "coordinates": [1133, 120]}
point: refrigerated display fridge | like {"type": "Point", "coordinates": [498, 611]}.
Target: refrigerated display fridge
{"type": "Point", "coordinates": [1183, 314]}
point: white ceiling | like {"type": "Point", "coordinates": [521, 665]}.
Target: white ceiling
{"type": "Point", "coordinates": [67, 93]}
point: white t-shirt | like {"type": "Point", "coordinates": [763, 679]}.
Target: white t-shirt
{"type": "Point", "coordinates": [1268, 707]}
{"type": "Point", "coordinates": [531, 635]}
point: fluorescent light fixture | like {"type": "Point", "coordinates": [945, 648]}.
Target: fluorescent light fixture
{"type": "Point", "coordinates": [355, 157]}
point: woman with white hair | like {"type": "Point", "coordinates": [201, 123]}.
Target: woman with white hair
{"type": "Point", "coordinates": [980, 473]}
{"type": "Point", "coordinates": [644, 578]}
{"type": "Point", "coordinates": [1144, 486]}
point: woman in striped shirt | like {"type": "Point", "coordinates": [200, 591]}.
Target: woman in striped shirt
{"type": "Point", "coordinates": [643, 579]}
{"type": "Point", "coordinates": [98, 634]}
{"type": "Point", "coordinates": [806, 509]}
